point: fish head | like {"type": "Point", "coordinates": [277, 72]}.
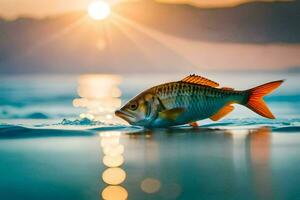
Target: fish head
{"type": "Point", "coordinates": [140, 110]}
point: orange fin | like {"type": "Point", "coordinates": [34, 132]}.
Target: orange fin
{"type": "Point", "coordinates": [199, 80]}
{"type": "Point", "coordinates": [222, 112]}
{"type": "Point", "coordinates": [256, 102]}
{"type": "Point", "coordinates": [194, 124]}
{"type": "Point", "coordinates": [227, 88]}
{"type": "Point", "coordinates": [171, 114]}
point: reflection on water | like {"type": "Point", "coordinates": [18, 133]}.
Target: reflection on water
{"type": "Point", "coordinates": [260, 144]}
{"type": "Point", "coordinates": [202, 163]}
{"type": "Point", "coordinates": [251, 157]}
{"type": "Point", "coordinates": [100, 95]}
{"type": "Point", "coordinates": [113, 159]}
{"type": "Point", "coordinates": [176, 164]}
{"type": "Point", "coordinates": [148, 184]}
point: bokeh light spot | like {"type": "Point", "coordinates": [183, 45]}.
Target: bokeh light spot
{"type": "Point", "coordinates": [150, 185]}
{"type": "Point", "coordinates": [114, 176]}
{"type": "Point", "coordinates": [114, 193]}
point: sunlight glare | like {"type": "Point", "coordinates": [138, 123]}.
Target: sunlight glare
{"type": "Point", "coordinates": [99, 10]}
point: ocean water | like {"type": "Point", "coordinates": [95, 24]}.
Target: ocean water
{"type": "Point", "coordinates": [59, 139]}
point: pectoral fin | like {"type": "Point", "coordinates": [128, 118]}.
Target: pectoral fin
{"type": "Point", "coordinates": [222, 112]}
{"type": "Point", "coordinates": [171, 114]}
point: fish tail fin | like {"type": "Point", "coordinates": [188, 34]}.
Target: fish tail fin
{"type": "Point", "coordinates": [256, 102]}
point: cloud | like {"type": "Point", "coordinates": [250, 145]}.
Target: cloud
{"type": "Point", "coordinates": [14, 8]}
{"type": "Point", "coordinates": [216, 3]}
{"type": "Point", "coordinates": [234, 56]}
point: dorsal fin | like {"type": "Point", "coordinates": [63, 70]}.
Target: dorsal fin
{"type": "Point", "coordinates": [199, 80]}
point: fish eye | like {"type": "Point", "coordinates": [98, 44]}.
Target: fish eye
{"type": "Point", "coordinates": [133, 105]}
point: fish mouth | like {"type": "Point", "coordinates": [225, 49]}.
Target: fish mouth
{"type": "Point", "coordinates": [124, 115]}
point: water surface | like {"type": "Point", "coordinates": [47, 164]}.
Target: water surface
{"type": "Point", "coordinates": [60, 140]}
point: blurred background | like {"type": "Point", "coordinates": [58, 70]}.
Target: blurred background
{"type": "Point", "coordinates": [164, 36]}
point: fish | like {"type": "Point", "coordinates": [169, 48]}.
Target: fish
{"type": "Point", "coordinates": [192, 99]}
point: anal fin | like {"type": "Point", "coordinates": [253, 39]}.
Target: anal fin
{"type": "Point", "coordinates": [222, 112]}
{"type": "Point", "coordinates": [194, 124]}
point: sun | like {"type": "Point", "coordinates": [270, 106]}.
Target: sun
{"type": "Point", "coordinates": [99, 10]}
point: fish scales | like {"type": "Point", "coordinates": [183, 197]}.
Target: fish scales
{"type": "Point", "coordinates": [193, 97]}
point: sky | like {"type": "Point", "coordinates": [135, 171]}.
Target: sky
{"type": "Point", "coordinates": [205, 54]}
{"type": "Point", "coordinates": [13, 8]}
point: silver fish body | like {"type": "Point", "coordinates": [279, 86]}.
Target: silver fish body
{"type": "Point", "coordinates": [200, 102]}
{"type": "Point", "coordinates": [191, 99]}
